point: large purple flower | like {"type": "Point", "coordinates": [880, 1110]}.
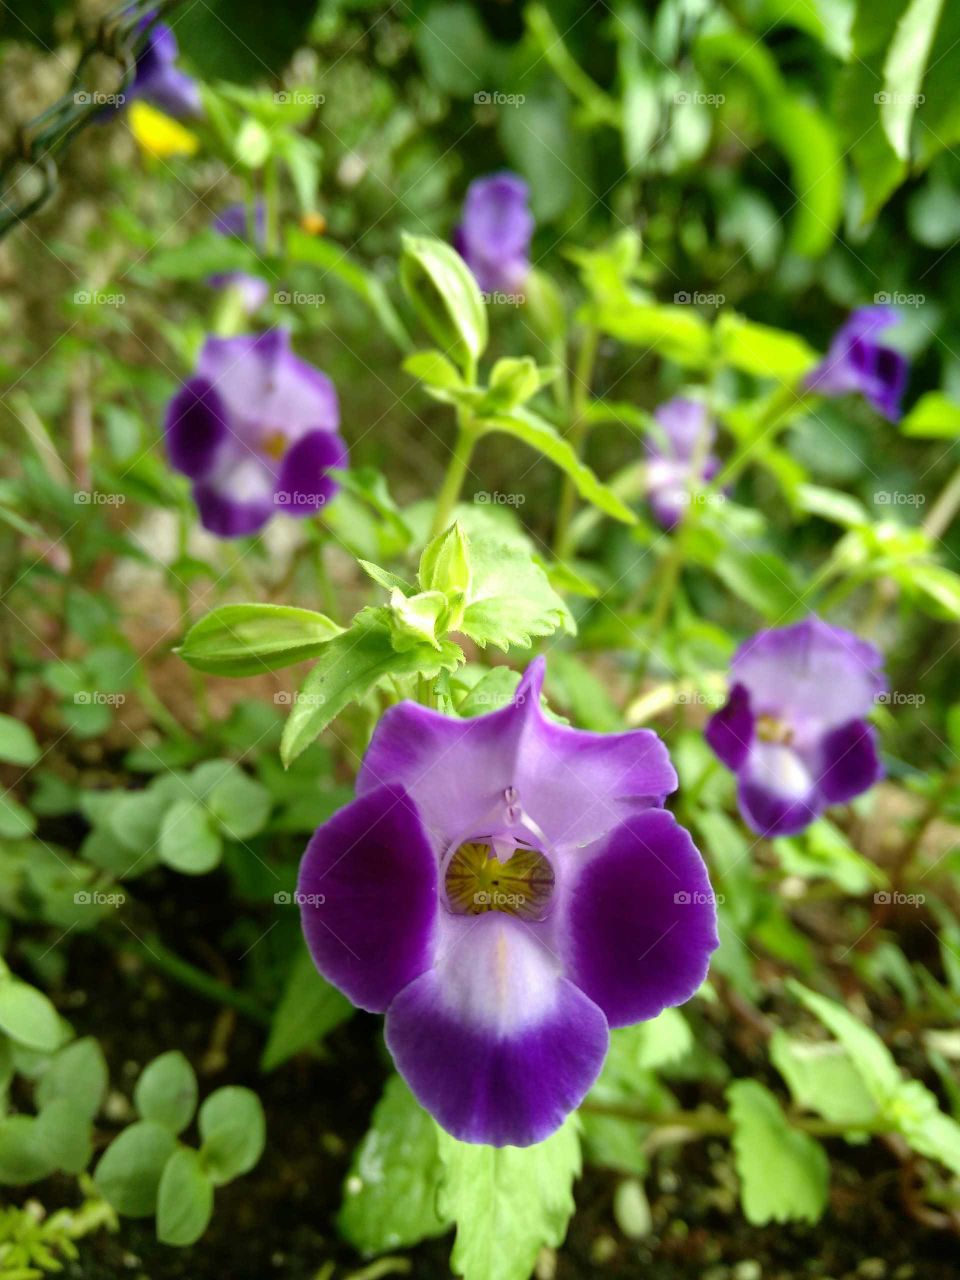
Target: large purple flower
{"type": "Point", "coordinates": [249, 223]}
{"type": "Point", "coordinates": [857, 361]}
{"type": "Point", "coordinates": [494, 235]}
{"type": "Point", "coordinates": [506, 889]}
{"type": "Point", "coordinates": [793, 728]}
{"type": "Point", "coordinates": [255, 429]}
{"type": "Point", "coordinates": [158, 79]}
{"type": "Point", "coordinates": [679, 458]}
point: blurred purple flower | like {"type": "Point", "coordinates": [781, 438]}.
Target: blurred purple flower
{"type": "Point", "coordinates": [793, 729]}
{"type": "Point", "coordinates": [494, 234]}
{"type": "Point", "coordinates": [856, 361]}
{"type": "Point", "coordinates": [235, 220]}
{"type": "Point", "coordinates": [256, 430]}
{"type": "Point", "coordinates": [684, 439]}
{"type": "Point", "coordinates": [158, 79]}
{"type": "Point", "coordinates": [506, 889]}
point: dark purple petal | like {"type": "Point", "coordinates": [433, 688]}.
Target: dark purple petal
{"type": "Point", "coordinates": [235, 220]}
{"type": "Point", "coordinates": [230, 516]}
{"type": "Point", "coordinates": [810, 672]}
{"type": "Point", "coordinates": [730, 731]}
{"type": "Point", "coordinates": [159, 80]}
{"type": "Point", "coordinates": [368, 897]}
{"type": "Point", "coordinates": [574, 786]}
{"type": "Point", "coordinates": [857, 362]}
{"type": "Point", "coordinates": [770, 813]}
{"type": "Point", "coordinates": [642, 920]}
{"type": "Point", "coordinates": [778, 790]}
{"type": "Point", "coordinates": [494, 235]}
{"type": "Point", "coordinates": [196, 428]}
{"type": "Point", "coordinates": [849, 762]}
{"type": "Point", "coordinates": [305, 483]}
{"type": "Point", "coordinates": [494, 1042]}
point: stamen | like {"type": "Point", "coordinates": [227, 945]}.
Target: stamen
{"type": "Point", "coordinates": [274, 444]}
{"type": "Point", "coordinates": [479, 880]}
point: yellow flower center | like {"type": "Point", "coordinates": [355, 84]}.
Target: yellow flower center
{"type": "Point", "coordinates": [772, 729]}
{"type": "Point", "coordinates": [274, 444]}
{"type": "Point", "coordinates": [477, 881]}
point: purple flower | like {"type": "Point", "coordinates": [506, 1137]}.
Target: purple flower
{"type": "Point", "coordinates": [793, 728]}
{"type": "Point", "coordinates": [255, 429]}
{"type": "Point", "coordinates": [506, 889]}
{"type": "Point", "coordinates": [494, 235]}
{"type": "Point", "coordinates": [235, 221]}
{"type": "Point", "coordinates": [856, 361]}
{"type": "Point", "coordinates": [679, 458]}
{"type": "Point", "coordinates": [158, 79]}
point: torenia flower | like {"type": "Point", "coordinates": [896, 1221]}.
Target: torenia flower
{"type": "Point", "coordinates": [494, 235]}
{"type": "Point", "coordinates": [858, 361]}
{"type": "Point", "coordinates": [793, 728]}
{"type": "Point", "coordinates": [507, 889]}
{"type": "Point", "coordinates": [255, 429]}
{"type": "Point", "coordinates": [159, 80]}
{"type": "Point", "coordinates": [679, 458]}
{"type": "Point", "coordinates": [235, 220]}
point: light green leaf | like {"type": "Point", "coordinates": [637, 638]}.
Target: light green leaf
{"type": "Point", "coordinates": [64, 1134]}
{"type": "Point", "coordinates": [184, 1199]}
{"type": "Point", "coordinates": [903, 71]}
{"type": "Point", "coordinates": [308, 1009]}
{"type": "Point", "coordinates": [419, 619]}
{"type": "Point", "coordinates": [233, 1130]}
{"type": "Point", "coordinates": [507, 1202]}
{"type": "Point", "coordinates": [390, 1194]}
{"type": "Point", "coordinates": [822, 1078]}
{"type": "Point", "coordinates": [784, 1174]}
{"type": "Point", "coordinates": [510, 600]}
{"type": "Point", "coordinates": [763, 351]}
{"type": "Point", "coordinates": [664, 1039]}
{"type": "Point", "coordinates": [384, 578]}
{"type": "Point", "coordinates": [918, 1117]}
{"type": "Point", "coordinates": [78, 1072]}
{"type": "Point", "coordinates": [17, 743]}
{"type": "Point", "coordinates": [129, 1171]}
{"type": "Point", "coordinates": [188, 842]}
{"type": "Point", "coordinates": [434, 368]}
{"type": "Point", "coordinates": [445, 562]}
{"type": "Point", "coordinates": [869, 1055]}
{"type": "Point", "coordinates": [167, 1091]}
{"type": "Point", "coordinates": [23, 1158]}
{"type": "Point", "coordinates": [240, 805]}
{"type": "Point", "coordinates": [249, 639]}
{"type": "Point", "coordinates": [16, 820]}
{"type": "Point", "coordinates": [831, 504]}
{"type": "Point", "coordinates": [444, 293]}
{"type": "Point", "coordinates": [492, 692]}
{"type": "Point", "coordinates": [935, 417]}
{"type": "Point", "coordinates": [935, 588]}
{"type": "Point", "coordinates": [28, 1017]}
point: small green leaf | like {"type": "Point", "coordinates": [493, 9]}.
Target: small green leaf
{"type": "Point", "coordinates": [23, 1158]}
{"type": "Point", "coordinates": [507, 1202]}
{"type": "Point", "coordinates": [64, 1134]}
{"type": "Point", "coordinates": [252, 145]}
{"type": "Point", "coordinates": [444, 293]}
{"type": "Point", "coordinates": [445, 562]}
{"type": "Point", "coordinates": [390, 1194]}
{"type": "Point", "coordinates": [78, 1072]}
{"type": "Point", "coordinates": [17, 743]}
{"type": "Point", "coordinates": [418, 620]}
{"type": "Point", "coordinates": [28, 1017]}
{"type": "Point", "coordinates": [763, 351]}
{"type": "Point", "coordinates": [934, 417]}
{"type": "Point", "coordinates": [492, 691]}
{"type": "Point", "coordinates": [434, 368]}
{"type": "Point", "coordinates": [240, 805]}
{"type": "Point", "coordinates": [130, 1169]}
{"type": "Point", "coordinates": [308, 1009]}
{"type": "Point", "coordinates": [16, 820]}
{"type": "Point", "coordinates": [248, 639]}
{"type": "Point", "coordinates": [871, 1057]}
{"type": "Point", "coordinates": [184, 1199]}
{"type": "Point", "coordinates": [784, 1174]}
{"type": "Point", "coordinates": [510, 600]}
{"type": "Point", "coordinates": [822, 1078]}
{"type": "Point", "coordinates": [167, 1091]}
{"type": "Point", "coordinates": [513, 380]}
{"type": "Point", "coordinates": [188, 842]}
{"type": "Point", "coordinates": [232, 1127]}
{"type": "Point", "coordinates": [384, 578]}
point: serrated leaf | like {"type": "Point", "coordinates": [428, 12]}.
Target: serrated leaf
{"type": "Point", "coordinates": [249, 639]}
{"type": "Point", "coordinates": [510, 600]}
{"type": "Point", "coordinates": [822, 1078]}
{"type": "Point", "coordinates": [507, 1202]}
{"type": "Point", "coordinates": [390, 1194]}
{"type": "Point", "coordinates": [871, 1057]}
{"type": "Point", "coordinates": [784, 1174]}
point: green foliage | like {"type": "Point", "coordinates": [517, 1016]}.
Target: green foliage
{"type": "Point", "coordinates": [783, 1173]}
{"type": "Point", "coordinates": [247, 639]}
{"type": "Point", "coordinates": [308, 1009]}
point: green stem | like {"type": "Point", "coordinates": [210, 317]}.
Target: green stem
{"type": "Point", "coordinates": [709, 1122]}
{"type": "Point", "coordinates": [188, 975]}
{"type": "Point", "coordinates": [941, 514]}
{"type": "Point", "coordinates": [579, 401]}
{"type": "Point", "coordinates": [183, 596]}
{"type": "Point", "coordinates": [271, 200]}
{"type": "Point", "coordinates": [467, 436]}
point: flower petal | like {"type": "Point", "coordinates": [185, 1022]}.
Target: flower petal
{"type": "Point", "coordinates": [196, 427]}
{"type": "Point", "coordinates": [494, 1042]}
{"type": "Point", "coordinates": [305, 484]}
{"type": "Point", "coordinates": [850, 763]}
{"type": "Point", "coordinates": [642, 920]}
{"type": "Point", "coordinates": [237, 499]}
{"type": "Point", "coordinates": [368, 897]}
{"type": "Point", "coordinates": [778, 790]}
{"type": "Point", "coordinates": [730, 731]}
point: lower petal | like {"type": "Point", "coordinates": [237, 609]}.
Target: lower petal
{"type": "Point", "coordinates": [238, 499]}
{"type": "Point", "coordinates": [196, 428]}
{"type": "Point", "coordinates": [494, 1042]}
{"type": "Point", "coordinates": [305, 483]}
{"type": "Point", "coordinates": [778, 792]}
{"type": "Point", "coordinates": [849, 762]}
{"type": "Point", "coordinates": [642, 920]}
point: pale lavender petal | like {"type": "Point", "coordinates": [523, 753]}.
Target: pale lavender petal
{"type": "Point", "coordinates": [494, 235]}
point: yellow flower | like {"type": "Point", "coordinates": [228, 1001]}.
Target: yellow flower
{"type": "Point", "coordinates": [159, 135]}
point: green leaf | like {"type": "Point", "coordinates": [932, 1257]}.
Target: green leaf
{"type": "Point", "coordinates": [507, 1202]}
{"type": "Point", "coordinates": [390, 1194]}
{"type": "Point", "coordinates": [167, 1091]}
{"type": "Point", "coordinates": [822, 1078]}
{"type": "Point", "coordinates": [831, 504]}
{"type": "Point", "coordinates": [129, 1171]}
{"type": "Point", "coordinates": [248, 639]}
{"type": "Point", "coordinates": [16, 820]}
{"type": "Point", "coordinates": [308, 1009]}
{"type": "Point", "coordinates": [935, 417]}
{"type": "Point", "coordinates": [678, 332]}
{"type": "Point", "coordinates": [444, 293]}
{"type": "Point", "coordinates": [763, 351]}
{"type": "Point", "coordinates": [764, 580]}
{"type": "Point", "coordinates": [510, 600]}
{"type": "Point", "coordinates": [513, 380]}
{"type": "Point", "coordinates": [184, 1199]}
{"type": "Point", "coordinates": [64, 1134]}
{"type": "Point", "coordinates": [869, 1055]}
{"type": "Point", "coordinates": [445, 562]}
{"type": "Point", "coordinates": [903, 71]}
{"type": "Point", "coordinates": [384, 578]}
{"type": "Point", "coordinates": [434, 368]}
{"type": "Point", "coordinates": [240, 805]}
{"type": "Point", "coordinates": [17, 743]}
{"type": "Point", "coordinates": [918, 1117]}
{"type": "Point", "coordinates": [350, 667]}
{"type": "Point", "coordinates": [233, 1130]}
{"type": "Point", "coordinates": [784, 1174]}
{"type": "Point", "coordinates": [664, 1039]}
{"type": "Point", "coordinates": [78, 1073]}
{"type": "Point", "coordinates": [188, 842]}
{"type": "Point", "coordinates": [540, 435]}
{"type": "Point", "coordinates": [935, 588]}
{"type": "Point", "coordinates": [23, 1158]}
{"type": "Point", "coordinates": [28, 1017]}
{"type": "Point", "coordinates": [491, 692]}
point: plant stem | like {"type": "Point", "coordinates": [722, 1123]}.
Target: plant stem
{"type": "Point", "coordinates": [467, 437]}
{"type": "Point", "coordinates": [204, 984]}
{"type": "Point", "coordinates": [579, 400]}
{"type": "Point", "coordinates": [709, 1122]}
{"type": "Point", "coordinates": [941, 514]}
